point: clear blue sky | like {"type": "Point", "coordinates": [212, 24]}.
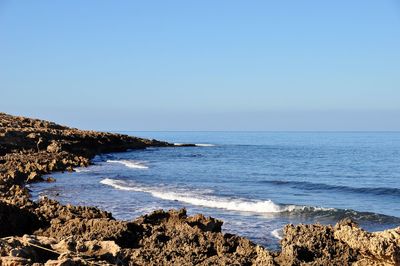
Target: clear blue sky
{"type": "Point", "coordinates": [203, 65]}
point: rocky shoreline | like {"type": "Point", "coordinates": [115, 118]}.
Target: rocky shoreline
{"type": "Point", "coordinates": [49, 233]}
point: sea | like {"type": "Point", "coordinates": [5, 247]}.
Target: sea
{"type": "Point", "coordinates": [255, 182]}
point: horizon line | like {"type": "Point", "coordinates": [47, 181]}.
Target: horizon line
{"type": "Point", "coordinates": [266, 131]}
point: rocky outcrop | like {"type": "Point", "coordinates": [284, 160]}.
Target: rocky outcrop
{"type": "Point", "coordinates": [49, 233]}
{"type": "Point", "coordinates": [20, 133]}
{"type": "Point", "coordinates": [377, 248]}
{"type": "Point", "coordinates": [314, 244]}
{"type": "Point", "coordinates": [160, 238]}
{"type": "Point", "coordinates": [30, 148]}
{"type": "Point", "coordinates": [173, 238]}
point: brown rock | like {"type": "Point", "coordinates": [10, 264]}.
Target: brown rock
{"type": "Point", "coordinates": [314, 245]}
{"type": "Point", "coordinates": [381, 247]}
{"type": "Point", "coordinates": [54, 147]}
{"type": "Point", "coordinates": [14, 261]}
{"type": "Point", "coordinates": [50, 179]}
{"type": "Point", "coordinates": [68, 262]}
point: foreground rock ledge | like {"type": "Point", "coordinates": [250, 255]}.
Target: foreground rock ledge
{"type": "Point", "coordinates": [48, 233]}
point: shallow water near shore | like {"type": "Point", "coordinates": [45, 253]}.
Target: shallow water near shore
{"type": "Point", "coordinates": [256, 182]}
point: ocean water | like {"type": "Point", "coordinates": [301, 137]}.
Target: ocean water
{"type": "Point", "coordinates": [256, 182]}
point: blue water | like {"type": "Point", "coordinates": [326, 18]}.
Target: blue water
{"type": "Point", "coordinates": [256, 182]}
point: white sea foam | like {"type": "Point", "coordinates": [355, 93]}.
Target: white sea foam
{"type": "Point", "coordinates": [266, 206]}
{"type": "Point", "coordinates": [130, 163]}
{"type": "Point", "coordinates": [81, 169]}
{"type": "Point", "coordinates": [204, 145]}
{"type": "Point", "coordinates": [277, 233]}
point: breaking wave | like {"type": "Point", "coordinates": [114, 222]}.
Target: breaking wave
{"type": "Point", "coordinates": [130, 163]}
{"type": "Point", "coordinates": [81, 169]}
{"type": "Point", "coordinates": [265, 206]}
{"type": "Point", "coordinates": [204, 145]}
{"type": "Point", "coordinates": [277, 233]}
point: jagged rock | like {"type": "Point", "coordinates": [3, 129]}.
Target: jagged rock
{"type": "Point", "coordinates": [14, 261]}
{"type": "Point", "coordinates": [172, 238]}
{"type": "Point", "coordinates": [54, 147]}
{"type": "Point", "coordinates": [381, 247]}
{"type": "Point", "coordinates": [314, 245]}
{"type": "Point", "coordinates": [52, 210]}
{"type": "Point", "coordinates": [29, 247]}
{"type": "Point", "coordinates": [122, 233]}
{"type": "Point", "coordinates": [68, 262]}
{"type": "Point", "coordinates": [264, 257]}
